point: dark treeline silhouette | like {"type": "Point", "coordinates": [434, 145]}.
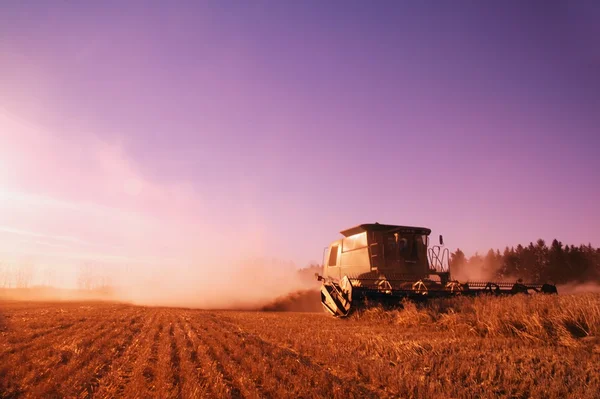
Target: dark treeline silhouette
{"type": "Point", "coordinates": [535, 262]}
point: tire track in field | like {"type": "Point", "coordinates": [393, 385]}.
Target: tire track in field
{"type": "Point", "coordinates": [256, 362]}
{"type": "Point", "coordinates": [90, 385]}
{"type": "Point", "coordinates": [175, 362]}
{"type": "Point", "coordinates": [218, 360]}
{"type": "Point", "coordinates": [193, 366]}
{"type": "Point", "coordinates": [51, 364]}
{"type": "Point", "coordinates": [274, 376]}
{"type": "Point", "coordinates": [55, 333]}
{"type": "Point", "coordinates": [218, 382]}
{"type": "Point", "coordinates": [69, 371]}
{"type": "Point", "coordinates": [149, 372]}
{"type": "Point", "coordinates": [248, 360]}
{"type": "Point", "coordinates": [166, 376]}
{"type": "Point", "coordinates": [141, 380]}
{"type": "Point", "coordinates": [33, 341]}
{"type": "Point", "coordinates": [355, 362]}
{"type": "Point", "coordinates": [118, 378]}
{"type": "Point", "coordinates": [304, 365]}
{"type": "Point", "coordinates": [96, 357]}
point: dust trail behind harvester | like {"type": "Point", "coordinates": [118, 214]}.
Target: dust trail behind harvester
{"type": "Point", "coordinates": [483, 270]}
{"type": "Point", "coordinates": [108, 223]}
{"type": "Point", "coordinates": [298, 301]}
{"type": "Point", "coordinates": [579, 288]}
{"type": "Point", "coordinates": [250, 285]}
{"type": "Point", "coordinates": [235, 285]}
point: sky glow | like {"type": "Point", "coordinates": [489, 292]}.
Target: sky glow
{"type": "Point", "coordinates": [196, 134]}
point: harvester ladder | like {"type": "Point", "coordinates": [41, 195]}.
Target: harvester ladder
{"type": "Point", "coordinates": [374, 256]}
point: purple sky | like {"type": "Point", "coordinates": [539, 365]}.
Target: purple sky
{"type": "Point", "coordinates": [295, 120]}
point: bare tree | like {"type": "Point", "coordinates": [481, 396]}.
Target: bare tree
{"type": "Point", "coordinates": [49, 277]}
{"type": "Point", "coordinates": [8, 276]}
{"type": "Point", "coordinates": [24, 275]}
{"type": "Point", "coordinates": [4, 276]}
{"type": "Point", "coordinates": [85, 277]}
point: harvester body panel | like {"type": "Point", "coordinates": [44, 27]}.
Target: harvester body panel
{"type": "Point", "coordinates": [373, 249]}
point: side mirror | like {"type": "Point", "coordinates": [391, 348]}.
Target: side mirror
{"type": "Point", "coordinates": [441, 240]}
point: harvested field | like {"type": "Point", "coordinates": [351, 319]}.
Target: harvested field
{"type": "Point", "coordinates": [484, 347]}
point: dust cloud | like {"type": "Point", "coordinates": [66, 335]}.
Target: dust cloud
{"type": "Point", "coordinates": [299, 301]}
{"type": "Point", "coordinates": [92, 215]}
{"type": "Point", "coordinates": [473, 274]}
{"type": "Point", "coordinates": [252, 285]}
{"type": "Point", "coordinates": [237, 285]}
{"type": "Point", "coordinates": [579, 288]}
{"type": "Point", "coordinates": [479, 271]}
{"type": "Point", "coordinates": [255, 284]}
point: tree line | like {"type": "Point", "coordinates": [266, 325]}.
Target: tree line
{"type": "Point", "coordinates": [16, 277]}
{"type": "Point", "coordinates": [535, 262]}
{"type": "Point", "coordinates": [26, 275]}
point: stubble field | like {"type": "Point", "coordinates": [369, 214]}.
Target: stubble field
{"type": "Point", "coordinates": [484, 347]}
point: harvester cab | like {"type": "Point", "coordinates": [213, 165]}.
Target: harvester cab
{"type": "Point", "coordinates": [387, 263]}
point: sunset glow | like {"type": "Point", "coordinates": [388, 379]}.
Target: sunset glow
{"type": "Point", "coordinates": [191, 137]}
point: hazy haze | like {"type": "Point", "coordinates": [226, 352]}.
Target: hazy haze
{"type": "Point", "coordinates": [172, 144]}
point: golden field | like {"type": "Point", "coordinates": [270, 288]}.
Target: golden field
{"type": "Point", "coordinates": [537, 346]}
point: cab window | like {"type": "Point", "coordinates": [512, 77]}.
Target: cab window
{"type": "Point", "coordinates": [333, 252]}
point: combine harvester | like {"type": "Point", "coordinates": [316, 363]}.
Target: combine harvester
{"type": "Point", "coordinates": [385, 263]}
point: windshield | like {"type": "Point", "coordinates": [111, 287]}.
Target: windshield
{"type": "Point", "coordinates": [405, 246]}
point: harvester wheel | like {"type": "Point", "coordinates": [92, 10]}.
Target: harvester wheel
{"type": "Point", "coordinates": [384, 286]}
{"type": "Point", "coordinates": [454, 287]}
{"type": "Point", "coordinates": [549, 289]}
{"type": "Point", "coordinates": [519, 288]}
{"type": "Point", "coordinates": [492, 288]}
{"type": "Point", "coordinates": [420, 288]}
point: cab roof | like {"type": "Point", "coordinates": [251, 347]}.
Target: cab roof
{"type": "Point", "coordinates": [388, 228]}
